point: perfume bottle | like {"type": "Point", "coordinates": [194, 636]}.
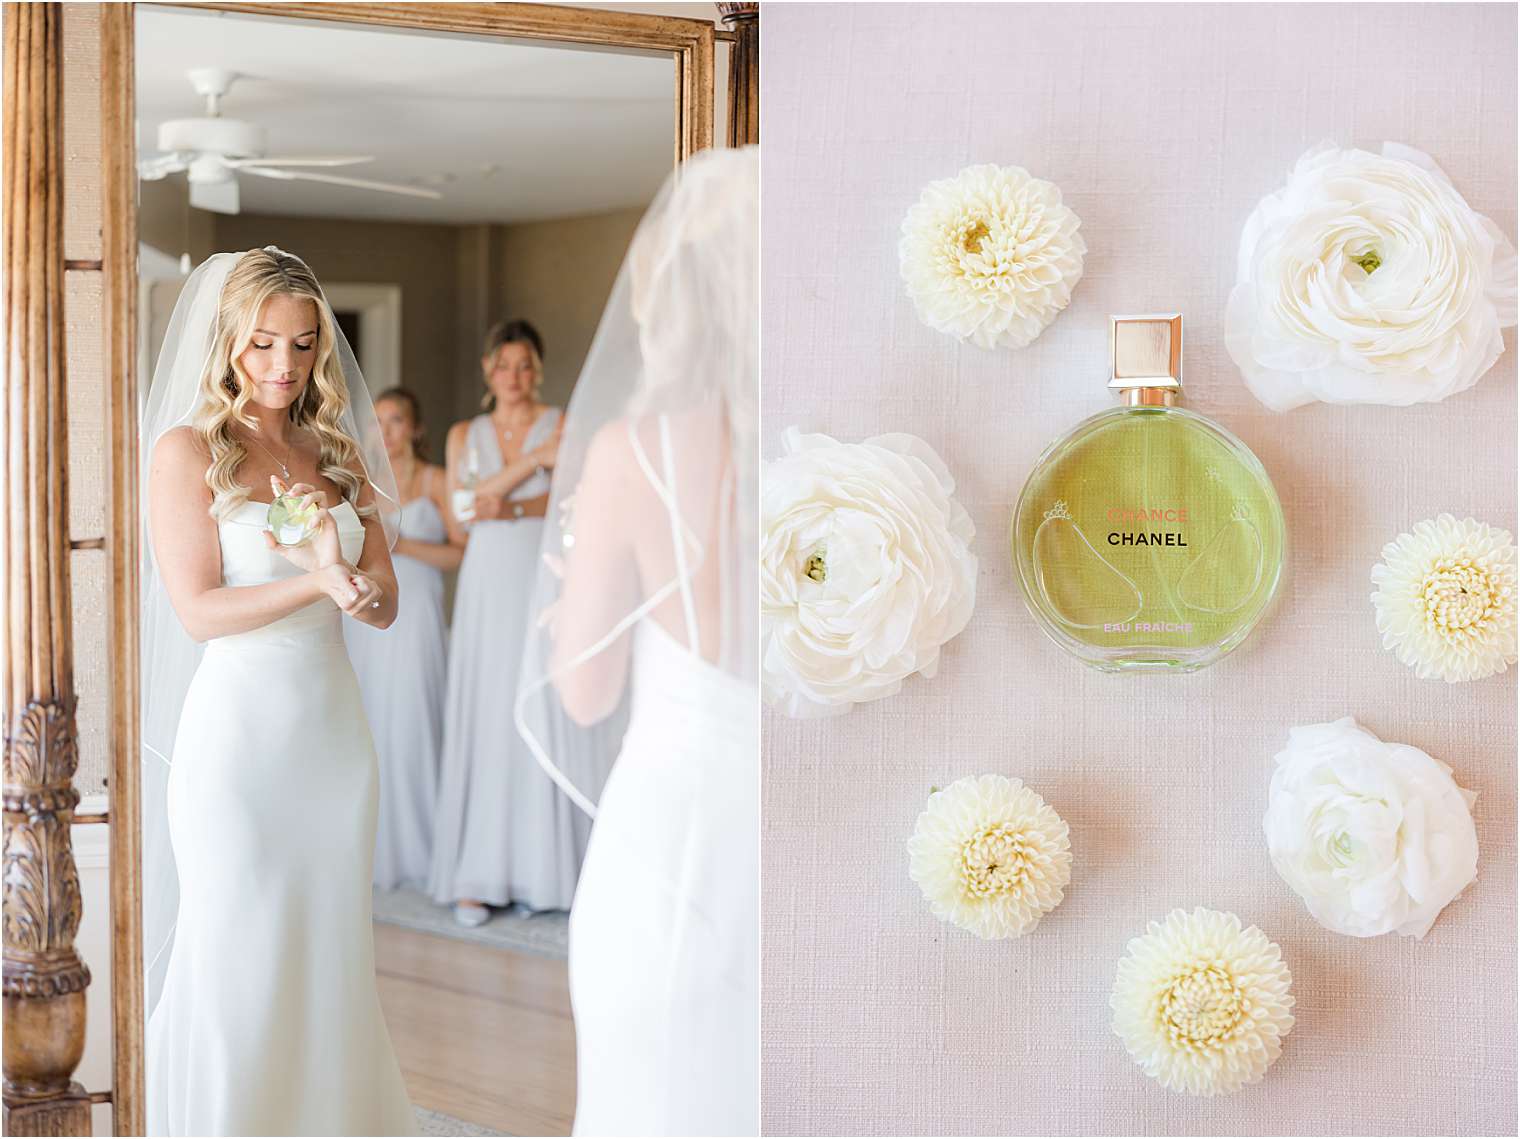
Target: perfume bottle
{"type": "Point", "coordinates": [292, 524]}
{"type": "Point", "coordinates": [1148, 537]}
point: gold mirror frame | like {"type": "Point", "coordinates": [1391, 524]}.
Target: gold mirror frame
{"type": "Point", "coordinates": [44, 978]}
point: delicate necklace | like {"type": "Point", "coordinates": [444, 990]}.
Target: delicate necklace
{"type": "Point", "coordinates": [508, 434]}
{"type": "Point", "coordinates": [284, 469]}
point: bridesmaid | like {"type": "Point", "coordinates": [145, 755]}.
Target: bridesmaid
{"type": "Point", "coordinates": [504, 833]}
{"type": "Point", "coordinates": [401, 669]}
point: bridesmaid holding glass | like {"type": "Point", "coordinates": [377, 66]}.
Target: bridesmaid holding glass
{"type": "Point", "coordinates": [504, 834]}
{"type": "Point", "coordinates": [401, 670]}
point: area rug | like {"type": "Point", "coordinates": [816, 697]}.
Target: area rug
{"type": "Point", "coordinates": [436, 1123]}
{"type": "Point", "coordinates": [544, 934]}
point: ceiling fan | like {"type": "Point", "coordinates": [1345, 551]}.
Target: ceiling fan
{"type": "Point", "coordinates": [212, 151]}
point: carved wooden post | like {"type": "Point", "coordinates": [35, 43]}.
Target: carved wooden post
{"type": "Point", "coordinates": [743, 73]}
{"type": "Point", "coordinates": [44, 979]}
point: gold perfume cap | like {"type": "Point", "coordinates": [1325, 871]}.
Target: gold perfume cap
{"type": "Point", "coordinates": [1147, 357]}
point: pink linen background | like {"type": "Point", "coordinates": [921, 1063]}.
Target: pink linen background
{"type": "Point", "coordinates": [1163, 124]}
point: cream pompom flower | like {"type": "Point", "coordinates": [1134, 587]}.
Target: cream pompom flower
{"type": "Point", "coordinates": [991, 255]}
{"type": "Point", "coordinates": [1445, 599]}
{"type": "Point", "coordinates": [990, 855]}
{"type": "Point", "coordinates": [1202, 1004]}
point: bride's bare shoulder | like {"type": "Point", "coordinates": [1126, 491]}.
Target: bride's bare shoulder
{"type": "Point", "coordinates": [177, 477]}
{"type": "Point", "coordinates": [620, 443]}
{"type": "Point", "coordinates": [611, 449]}
{"type": "Point", "coordinates": [181, 450]}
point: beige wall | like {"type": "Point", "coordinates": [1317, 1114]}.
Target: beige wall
{"type": "Point", "coordinates": [86, 434]}
{"type": "Point", "coordinates": [558, 274]}
{"type": "Point", "coordinates": [84, 352]}
{"type": "Point", "coordinates": [166, 221]}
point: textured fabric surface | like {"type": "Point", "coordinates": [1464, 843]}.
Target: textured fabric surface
{"type": "Point", "coordinates": [1163, 125]}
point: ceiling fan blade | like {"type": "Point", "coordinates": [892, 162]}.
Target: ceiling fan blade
{"type": "Point", "coordinates": [333, 179]}
{"type": "Point", "coordinates": [218, 197]}
{"type": "Point", "coordinates": [152, 169]}
{"type": "Point", "coordinates": [309, 160]}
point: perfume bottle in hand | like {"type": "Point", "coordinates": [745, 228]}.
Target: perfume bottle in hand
{"type": "Point", "coordinates": [291, 523]}
{"type": "Point", "coordinates": [463, 498]}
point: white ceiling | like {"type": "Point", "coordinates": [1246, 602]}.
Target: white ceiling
{"type": "Point", "coordinates": [567, 131]}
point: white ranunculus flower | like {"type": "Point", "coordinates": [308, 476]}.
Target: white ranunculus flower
{"type": "Point", "coordinates": [991, 255]}
{"type": "Point", "coordinates": [1375, 837]}
{"type": "Point", "coordinates": [1368, 279]}
{"type": "Point", "coordinates": [866, 569]}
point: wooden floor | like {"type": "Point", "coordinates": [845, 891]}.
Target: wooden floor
{"type": "Point", "coordinates": [483, 1034]}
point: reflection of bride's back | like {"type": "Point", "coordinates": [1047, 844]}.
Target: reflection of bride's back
{"type": "Point", "coordinates": [663, 945]}
{"type": "Point", "coordinates": [647, 593]}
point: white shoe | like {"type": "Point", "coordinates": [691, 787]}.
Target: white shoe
{"type": "Point", "coordinates": [471, 915]}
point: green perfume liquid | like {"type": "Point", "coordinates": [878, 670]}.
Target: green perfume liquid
{"type": "Point", "coordinates": [1148, 538]}
{"type": "Point", "coordinates": [291, 525]}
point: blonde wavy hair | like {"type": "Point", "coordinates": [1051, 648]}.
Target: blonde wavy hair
{"type": "Point", "coordinates": [505, 332]}
{"type": "Point", "coordinates": [226, 389]}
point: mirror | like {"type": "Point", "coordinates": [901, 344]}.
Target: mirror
{"type": "Point", "coordinates": [371, 878]}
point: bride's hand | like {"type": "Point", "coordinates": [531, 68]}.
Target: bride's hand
{"type": "Point", "coordinates": [337, 581]}
{"type": "Point", "coordinates": [323, 548]}
{"type": "Point", "coordinates": [367, 595]}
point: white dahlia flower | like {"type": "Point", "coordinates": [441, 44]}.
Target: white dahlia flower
{"type": "Point", "coordinates": [991, 255]}
{"type": "Point", "coordinates": [1445, 599]}
{"type": "Point", "coordinates": [990, 855]}
{"type": "Point", "coordinates": [1202, 1004]}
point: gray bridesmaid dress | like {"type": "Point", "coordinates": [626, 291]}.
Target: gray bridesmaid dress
{"type": "Point", "coordinates": [401, 674]}
{"type": "Point", "coordinates": [503, 832]}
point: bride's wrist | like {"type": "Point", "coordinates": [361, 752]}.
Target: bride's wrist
{"type": "Point", "coordinates": [321, 580]}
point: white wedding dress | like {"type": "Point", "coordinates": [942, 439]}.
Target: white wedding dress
{"type": "Point", "coordinates": [401, 673]}
{"type": "Point", "coordinates": [270, 1022]}
{"type": "Point", "coordinates": [664, 933]}
{"type": "Point", "coordinates": [665, 990]}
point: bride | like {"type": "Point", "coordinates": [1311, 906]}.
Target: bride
{"type": "Point", "coordinates": [648, 583]}
{"type": "Point", "coordinates": [259, 768]}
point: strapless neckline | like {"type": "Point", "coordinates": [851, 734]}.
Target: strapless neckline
{"type": "Point", "coordinates": [266, 505]}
